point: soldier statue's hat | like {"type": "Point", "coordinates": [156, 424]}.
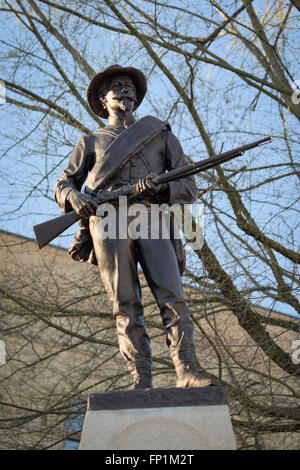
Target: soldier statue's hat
{"type": "Point", "coordinates": [137, 77]}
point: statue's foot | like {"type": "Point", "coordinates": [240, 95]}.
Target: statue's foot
{"type": "Point", "coordinates": [142, 383]}
{"type": "Point", "coordinates": [194, 379]}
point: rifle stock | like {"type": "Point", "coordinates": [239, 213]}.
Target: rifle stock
{"type": "Point", "coordinates": [47, 231]}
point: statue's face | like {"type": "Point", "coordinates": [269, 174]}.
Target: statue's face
{"type": "Point", "coordinates": [121, 94]}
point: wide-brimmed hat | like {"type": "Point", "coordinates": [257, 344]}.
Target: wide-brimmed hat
{"type": "Point", "coordinates": [137, 77]}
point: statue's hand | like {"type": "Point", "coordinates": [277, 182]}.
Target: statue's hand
{"type": "Point", "coordinates": [82, 204]}
{"type": "Point", "coordinates": [146, 186]}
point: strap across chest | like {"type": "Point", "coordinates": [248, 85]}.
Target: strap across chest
{"type": "Point", "coordinates": [124, 147]}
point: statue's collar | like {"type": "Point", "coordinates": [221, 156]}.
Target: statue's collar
{"type": "Point", "coordinates": [120, 124]}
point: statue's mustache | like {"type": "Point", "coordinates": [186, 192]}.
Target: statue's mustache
{"type": "Point", "coordinates": [121, 97]}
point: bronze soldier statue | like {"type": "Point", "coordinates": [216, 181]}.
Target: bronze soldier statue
{"type": "Point", "coordinates": [126, 152]}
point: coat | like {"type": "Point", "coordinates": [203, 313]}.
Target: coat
{"type": "Point", "coordinates": [163, 153]}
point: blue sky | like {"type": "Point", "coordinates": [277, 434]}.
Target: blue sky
{"type": "Point", "coordinates": [34, 151]}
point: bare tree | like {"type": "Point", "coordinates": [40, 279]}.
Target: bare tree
{"type": "Point", "coordinates": [221, 74]}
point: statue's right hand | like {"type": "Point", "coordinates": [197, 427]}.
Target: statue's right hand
{"type": "Point", "coordinates": [81, 203]}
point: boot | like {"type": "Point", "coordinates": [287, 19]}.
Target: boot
{"type": "Point", "coordinates": [187, 376]}
{"type": "Point", "coordinates": [141, 382]}
{"type": "Point", "coordinates": [141, 375]}
{"type": "Point", "coordinates": [179, 334]}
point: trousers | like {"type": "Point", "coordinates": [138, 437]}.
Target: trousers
{"type": "Point", "coordinates": [118, 265]}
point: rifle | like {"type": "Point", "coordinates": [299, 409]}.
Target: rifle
{"type": "Point", "coordinates": [47, 231]}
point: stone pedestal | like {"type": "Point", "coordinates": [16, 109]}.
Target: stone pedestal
{"type": "Point", "coordinates": [158, 419]}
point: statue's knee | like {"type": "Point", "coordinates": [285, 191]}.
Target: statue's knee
{"type": "Point", "coordinates": [128, 307]}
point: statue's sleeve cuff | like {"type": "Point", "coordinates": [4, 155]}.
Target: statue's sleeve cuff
{"type": "Point", "coordinates": [63, 202]}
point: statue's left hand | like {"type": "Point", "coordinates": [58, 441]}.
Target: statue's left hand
{"type": "Point", "coordinates": [146, 186]}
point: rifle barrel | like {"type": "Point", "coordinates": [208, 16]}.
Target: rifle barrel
{"type": "Point", "coordinates": [209, 162]}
